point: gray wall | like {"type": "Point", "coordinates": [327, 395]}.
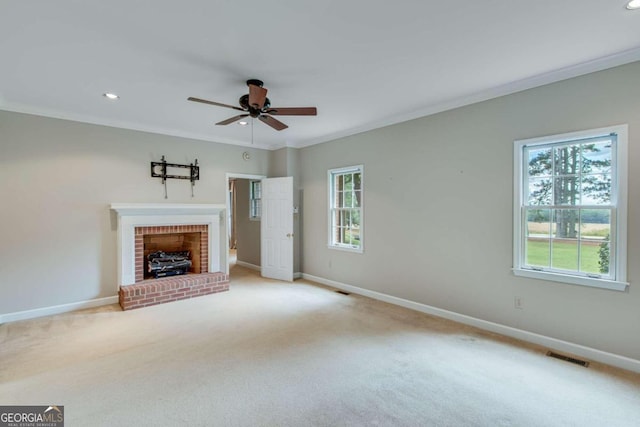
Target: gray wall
{"type": "Point", "coordinates": [247, 230]}
{"type": "Point", "coordinates": [423, 179]}
{"type": "Point", "coordinates": [59, 177]}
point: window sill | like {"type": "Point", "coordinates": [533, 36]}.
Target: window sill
{"type": "Point", "coordinates": [346, 249]}
{"type": "Point", "coordinates": [573, 280]}
{"type": "Point", "coordinates": [254, 218]}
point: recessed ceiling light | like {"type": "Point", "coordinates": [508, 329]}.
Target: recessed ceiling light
{"type": "Point", "coordinates": [243, 123]}
{"type": "Point", "coordinates": [633, 4]}
{"type": "Point", "coordinates": [110, 95]}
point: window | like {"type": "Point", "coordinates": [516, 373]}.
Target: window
{"type": "Point", "coordinates": [345, 208]}
{"type": "Point", "coordinates": [255, 202]}
{"type": "Point", "coordinates": [570, 210]}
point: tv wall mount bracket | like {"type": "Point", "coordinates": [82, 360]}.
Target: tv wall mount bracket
{"type": "Point", "coordinates": [159, 170]}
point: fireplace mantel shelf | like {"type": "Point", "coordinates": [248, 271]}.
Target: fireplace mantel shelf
{"type": "Point", "coordinates": [166, 208]}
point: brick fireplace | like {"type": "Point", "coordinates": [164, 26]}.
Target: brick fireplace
{"type": "Point", "coordinates": [145, 228]}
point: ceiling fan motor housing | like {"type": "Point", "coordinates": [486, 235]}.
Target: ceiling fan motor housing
{"type": "Point", "coordinates": [244, 103]}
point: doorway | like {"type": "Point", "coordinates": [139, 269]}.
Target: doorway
{"type": "Point", "coordinates": [244, 213]}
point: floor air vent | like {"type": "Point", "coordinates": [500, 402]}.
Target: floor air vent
{"type": "Point", "coordinates": [568, 359]}
{"type": "Point", "coordinates": [343, 292]}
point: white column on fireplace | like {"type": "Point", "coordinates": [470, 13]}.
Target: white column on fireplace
{"type": "Point", "coordinates": [132, 215]}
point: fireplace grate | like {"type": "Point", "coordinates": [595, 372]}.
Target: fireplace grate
{"type": "Point", "coordinates": [163, 264]}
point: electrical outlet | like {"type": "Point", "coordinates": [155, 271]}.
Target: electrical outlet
{"type": "Point", "coordinates": [517, 303]}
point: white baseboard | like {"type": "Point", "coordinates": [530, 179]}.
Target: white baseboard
{"type": "Point", "coordinates": [553, 343]}
{"type": "Point", "coordinates": [56, 309]}
{"type": "Point", "coordinates": [248, 265]}
{"type": "Point", "coordinates": [297, 275]}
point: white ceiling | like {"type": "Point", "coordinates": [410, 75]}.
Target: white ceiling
{"type": "Point", "coordinates": [362, 63]}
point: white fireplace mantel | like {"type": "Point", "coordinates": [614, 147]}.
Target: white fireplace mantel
{"type": "Point", "coordinates": [132, 215]}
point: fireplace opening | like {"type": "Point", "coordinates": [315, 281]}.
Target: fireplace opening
{"type": "Point", "coordinates": [171, 254]}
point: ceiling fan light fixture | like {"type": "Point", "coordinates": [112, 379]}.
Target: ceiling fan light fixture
{"type": "Point", "coordinates": [111, 96]}
{"type": "Point", "coordinates": [633, 5]}
{"type": "Point", "coordinates": [243, 123]}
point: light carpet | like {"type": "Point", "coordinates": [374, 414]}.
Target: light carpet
{"type": "Point", "coordinates": [268, 353]}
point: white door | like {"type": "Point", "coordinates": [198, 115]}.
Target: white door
{"type": "Point", "coordinates": [277, 228]}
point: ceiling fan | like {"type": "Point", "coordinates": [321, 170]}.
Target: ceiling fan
{"type": "Point", "coordinates": [257, 105]}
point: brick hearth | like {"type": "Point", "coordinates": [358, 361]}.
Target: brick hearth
{"type": "Point", "coordinates": [158, 291]}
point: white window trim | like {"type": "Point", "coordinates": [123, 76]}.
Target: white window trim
{"type": "Point", "coordinates": [619, 222]}
{"type": "Point", "coordinates": [330, 172]}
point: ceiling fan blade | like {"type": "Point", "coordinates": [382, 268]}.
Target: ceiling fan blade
{"type": "Point", "coordinates": [232, 119]}
{"type": "Point", "coordinates": [293, 111]}
{"type": "Point", "coordinates": [257, 96]}
{"type": "Point", "coordinates": [204, 101]}
{"type": "Point", "coordinates": [276, 124]}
